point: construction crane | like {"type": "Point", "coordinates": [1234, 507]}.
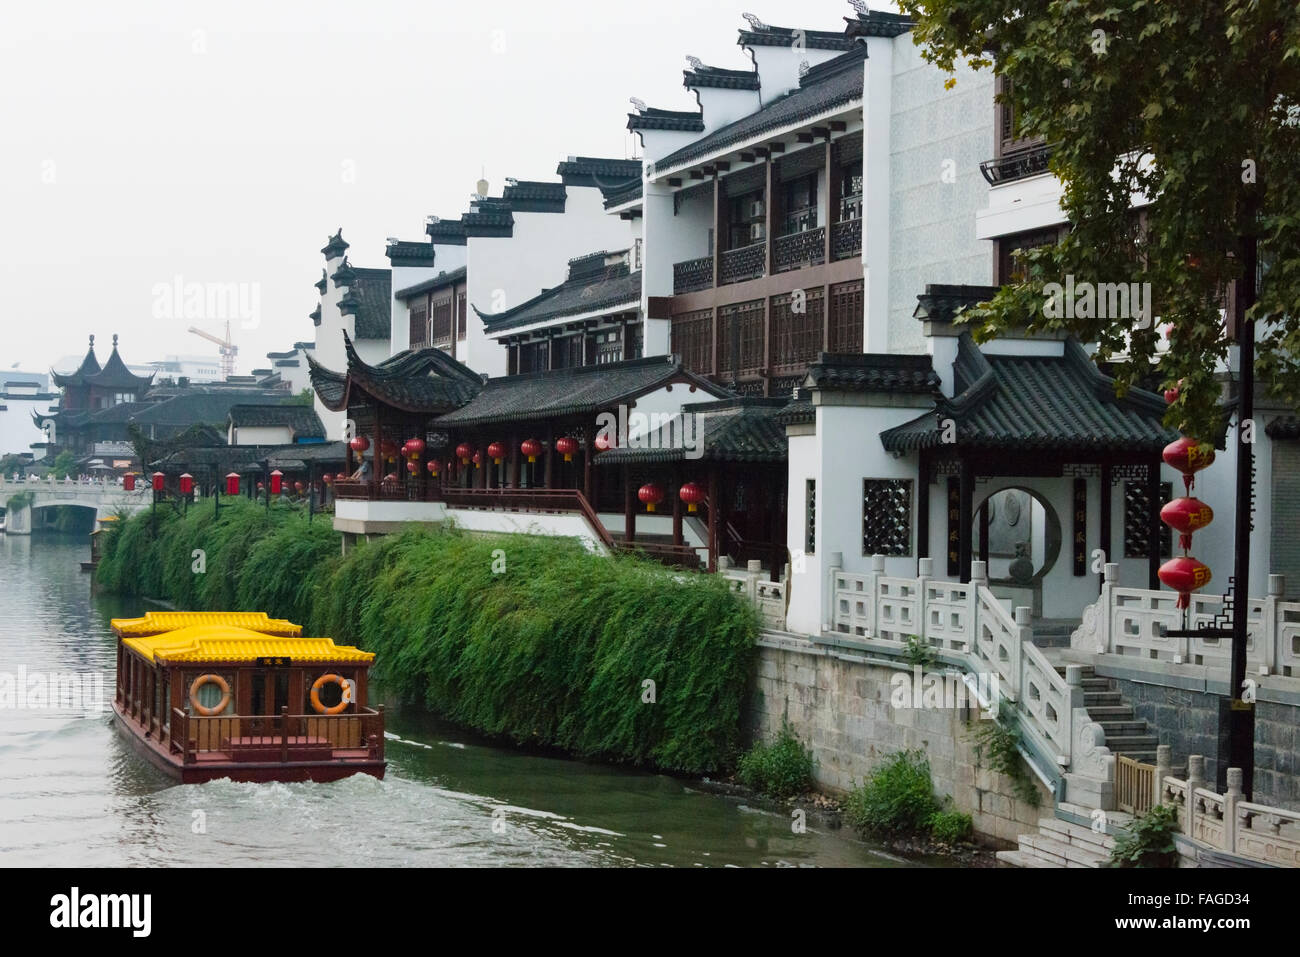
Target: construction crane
{"type": "Point", "coordinates": [227, 348]}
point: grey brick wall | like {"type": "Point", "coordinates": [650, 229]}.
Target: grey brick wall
{"type": "Point", "coordinates": [1284, 539]}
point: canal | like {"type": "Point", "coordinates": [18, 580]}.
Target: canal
{"type": "Point", "coordinates": [72, 793]}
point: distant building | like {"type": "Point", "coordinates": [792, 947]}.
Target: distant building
{"type": "Point", "coordinates": [23, 397]}
{"type": "Point", "coordinates": [278, 424]}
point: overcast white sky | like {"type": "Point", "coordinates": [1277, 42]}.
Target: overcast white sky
{"type": "Point", "coordinates": [141, 140]}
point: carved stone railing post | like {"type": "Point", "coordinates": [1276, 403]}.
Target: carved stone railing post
{"type": "Point", "coordinates": [830, 604]}
{"type": "Point", "coordinates": [1024, 633]}
{"type": "Point", "coordinates": [1164, 758]}
{"type": "Point", "coordinates": [924, 572]}
{"type": "Point", "coordinates": [873, 587]}
{"type": "Point", "coordinates": [1270, 653]}
{"type": "Point", "coordinates": [1110, 578]}
{"type": "Point", "coordinates": [1230, 799]}
{"type": "Point", "coordinates": [978, 577]}
{"type": "Point", "coordinates": [1195, 778]}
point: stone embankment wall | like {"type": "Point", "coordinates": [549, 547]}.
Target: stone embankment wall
{"type": "Point", "coordinates": [840, 705]}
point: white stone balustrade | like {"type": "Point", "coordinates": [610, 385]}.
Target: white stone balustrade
{"type": "Point", "coordinates": [1227, 822]}
{"type": "Point", "coordinates": [768, 597]}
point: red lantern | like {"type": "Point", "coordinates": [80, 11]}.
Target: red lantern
{"type": "Point", "coordinates": [566, 447]}
{"type": "Point", "coordinates": [414, 447]}
{"type": "Point", "coordinates": [603, 442]}
{"type": "Point", "coordinates": [359, 444]}
{"type": "Point", "coordinates": [232, 483]}
{"type": "Point", "coordinates": [464, 452]}
{"type": "Point", "coordinates": [128, 481]}
{"type": "Point", "coordinates": [692, 495]}
{"type": "Point", "coordinates": [158, 479]}
{"type": "Point", "coordinates": [1184, 575]}
{"type": "Point", "coordinates": [651, 494]}
{"type": "Point", "coordinates": [433, 467]}
{"type": "Point", "coordinates": [412, 468]}
{"type": "Point", "coordinates": [478, 460]}
{"type": "Point", "coordinates": [187, 483]}
{"type": "Point", "coordinates": [1185, 516]}
{"type": "Point", "coordinates": [496, 451]}
{"type": "Point", "coordinates": [327, 478]}
{"type": "Point", "coordinates": [531, 448]}
{"type": "Point", "coordinates": [1188, 456]}
{"type": "Point", "coordinates": [277, 482]}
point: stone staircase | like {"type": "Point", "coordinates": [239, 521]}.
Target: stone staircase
{"type": "Point", "coordinates": [1126, 733]}
{"type": "Point", "coordinates": [1061, 843]}
{"type": "Point", "coordinates": [1053, 632]}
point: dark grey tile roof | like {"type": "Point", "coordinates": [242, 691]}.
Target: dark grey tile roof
{"type": "Point", "coordinates": [582, 391]}
{"type": "Point", "coordinates": [771, 36]}
{"type": "Point", "coordinates": [578, 169]}
{"type": "Point", "coordinates": [652, 118]}
{"type": "Point", "coordinates": [1025, 403]}
{"type": "Point", "coordinates": [336, 246]}
{"type": "Point", "coordinates": [873, 372]}
{"type": "Point", "coordinates": [301, 420]}
{"type": "Point", "coordinates": [191, 407]}
{"type": "Point", "coordinates": [628, 195]}
{"type": "Point", "coordinates": [615, 286]}
{"type": "Point", "coordinates": [943, 303]}
{"type": "Point", "coordinates": [1285, 427]}
{"type": "Point", "coordinates": [489, 217]}
{"type": "Point", "coordinates": [440, 281]}
{"type": "Point", "coordinates": [89, 366]}
{"type": "Point", "coordinates": [535, 197]}
{"type": "Point", "coordinates": [735, 430]}
{"type": "Point", "coordinates": [406, 253]}
{"type": "Point", "coordinates": [446, 232]}
{"type": "Point", "coordinates": [878, 23]}
{"type": "Point", "coordinates": [712, 77]}
{"type": "Point", "coordinates": [798, 412]}
{"type": "Point", "coordinates": [369, 299]}
{"type": "Point", "coordinates": [115, 374]}
{"type": "Point", "coordinates": [298, 457]}
{"type": "Point", "coordinates": [827, 86]}
{"type": "Point", "coordinates": [424, 380]}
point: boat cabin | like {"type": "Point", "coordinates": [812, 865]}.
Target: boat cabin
{"type": "Point", "coordinates": [244, 696]}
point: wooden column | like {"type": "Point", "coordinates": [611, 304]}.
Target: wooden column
{"type": "Point", "coordinates": [588, 491]}
{"type": "Point", "coordinates": [673, 490]}
{"type": "Point", "coordinates": [966, 494]}
{"type": "Point", "coordinates": [923, 507]}
{"type": "Point", "coordinates": [832, 192]}
{"type": "Point", "coordinates": [769, 203]}
{"type": "Point", "coordinates": [629, 507]}
{"type": "Point", "coordinates": [1105, 519]}
{"type": "Point", "coordinates": [718, 226]}
{"type": "Point", "coordinates": [713, 519]}
{"type": "Point", "coordinates": [1153, 525]}
{"type": "Point", "coordinates": [984, 531]}
{"type": "Point", "coordinates": [548, 480]}
{"type": "Point", "coordinates": [512, 463]}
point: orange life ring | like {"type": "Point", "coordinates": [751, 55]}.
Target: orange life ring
{"type": "Point", "coordinates": [345, 697]}
{"type": "Point", "coordinates": [202, 680]}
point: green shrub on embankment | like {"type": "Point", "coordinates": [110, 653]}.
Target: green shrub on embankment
{"type": "Point", "coordinates": [557, 648]}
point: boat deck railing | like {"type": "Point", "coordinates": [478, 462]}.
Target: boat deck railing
{"type": "Point", "coordinates": [284, 737]}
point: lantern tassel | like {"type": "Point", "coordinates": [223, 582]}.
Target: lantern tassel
{"type": "Point", "coordinates": [1184, 600]}
{"type": "Point", "coordinates": [1185, 540]}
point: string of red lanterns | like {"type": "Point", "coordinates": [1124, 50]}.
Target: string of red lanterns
{"type": "Point", "coordinates": [1186, 515]}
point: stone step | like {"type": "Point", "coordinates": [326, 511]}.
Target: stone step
{"type": "Point", "coordinates": [1021, 859]}
{"type": "Point", "coordinates": [1146, 757]}
{"type": "Point", "coordinates": [1110, 712]}
{"type": "Point", "coordinates": [1060, 852]}
{"type": "Point", "coordinates": [1101, 698]}
{"type": "Point", "coordinates": [1087, 671]}
{"type": "Point", "coordinates": [1136, 726]}
{"type": "Point", "coordinates": [1124, 743]}
{"type": "Point", "coordinates": [1095, 684]}
{"type": "Point", "coordinates": [1076, 834]}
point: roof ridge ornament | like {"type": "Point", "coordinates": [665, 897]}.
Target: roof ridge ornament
{"type": "Point", "coordinates": [756, 23]}
{"type": "Point", "coordinates": [638, 103]}
{"type": "Point", "coordinates": [860, 8]}
{"type": "Point", "coordinates": [695, 62]}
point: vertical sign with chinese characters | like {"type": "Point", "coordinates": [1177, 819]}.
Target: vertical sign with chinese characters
{"type": "Point", "coordinates": [1080, 526]}
{"type": "Point", "coordinates": [954, 526]}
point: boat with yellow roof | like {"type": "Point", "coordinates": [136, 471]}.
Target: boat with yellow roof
{"type": "Point", "coordinates": [239, 695]}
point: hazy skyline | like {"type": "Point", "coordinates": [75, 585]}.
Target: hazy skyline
{"type": "Point", "coordinates": [222, 144]}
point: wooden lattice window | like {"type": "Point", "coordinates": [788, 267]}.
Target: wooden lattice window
{"type": "Point", "coordinates": [1137, 512]}
{"type": "Point", "coordinates": [810, 517]}
{"type": "Point", "coordinates": [741, 348]}
{"type": "Point", "coordinates": [533, 356]}
{"type": "Point", "coordinates": [462, 311]}
{"type": "Point", "coordinates": [1009, 270]}
{"type": "Point", "coordinates": [846, 317]}
{"type": "Point", "coordinates": [797, 335]}
{"type": "Point", "coordinates": [692, 340]}
{"type": "Point", "coordinates": [440, 324]}
{"type": "Point", "coordinates": [419, 326]}
{"type": "Point", "coordinates": [887, 517]}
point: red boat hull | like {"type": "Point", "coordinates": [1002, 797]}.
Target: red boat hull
{"type": "Point", "coordinates": [253, 771]}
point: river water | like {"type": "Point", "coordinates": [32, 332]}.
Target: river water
{"type": "Point", "coordinates": [72, 793]}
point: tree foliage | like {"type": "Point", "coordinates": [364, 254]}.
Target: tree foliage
{"type": "Point", "coordinates": [1194, 104]}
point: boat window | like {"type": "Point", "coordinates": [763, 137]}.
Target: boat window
{"type": "Point", "coordinates": [210, 693]}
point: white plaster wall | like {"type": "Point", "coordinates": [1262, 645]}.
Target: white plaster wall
{"type": "Point", "coordinates": [934, 134]}
{"type": "Point", "coordinates": [669, 239]}
{"type": "Point", "coordinates": [725, 106]}
{"type": "Point", "coordinates": [260, 435]}
{"type": "Point", "coordinates": [17, 432]}
{"type": "Point", "coordinates": [527, 523]}
{"type": "Point", "coordinates": [1021, 205]}
{"type": "Point", "coordinates": [806, 612]}
{"type": "Point", "coordinates": [329, 350]}
{"type": "Point", "coordinates": [778, 67]}
{"type": "Point", "coordinates": [507, 271]}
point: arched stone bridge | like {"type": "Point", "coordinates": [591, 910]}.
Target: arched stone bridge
{"type": "Point", "coordinates": [104, 499]}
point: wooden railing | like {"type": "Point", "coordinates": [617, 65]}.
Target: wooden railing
{"type": "Point", "coordinates": [1134, 784]}
{"type": "Point", "coordinates": [530, 500]}
{"type": "Point", "coordinates": [797, 250]}
{"type": "Point", "coordinates": [192, 735]}
{"type": "Point", "coordinates": [739, 265]}
{"type": "Point", "coordinates": [846, 239]}
{"type": "Point", "coordinates": [400, 491]}
{"type": "Point", "coordinates": [1017, 164]}
{"type": "Point", "coordinates": [692, 275]}
{"type": "Point", "coordinates": [674, 556]}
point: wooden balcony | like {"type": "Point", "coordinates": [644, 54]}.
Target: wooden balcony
{"type": "Point", "coordinates": [692, 275]}
{"type": "Point", "coordinates": [846, 239]}
{"type": "Point", "coordinates": [400, 491]}
{"type": "Point", "coordinates": [744, 263]}
{"type": "Point", "coordinates": [799, 250]}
